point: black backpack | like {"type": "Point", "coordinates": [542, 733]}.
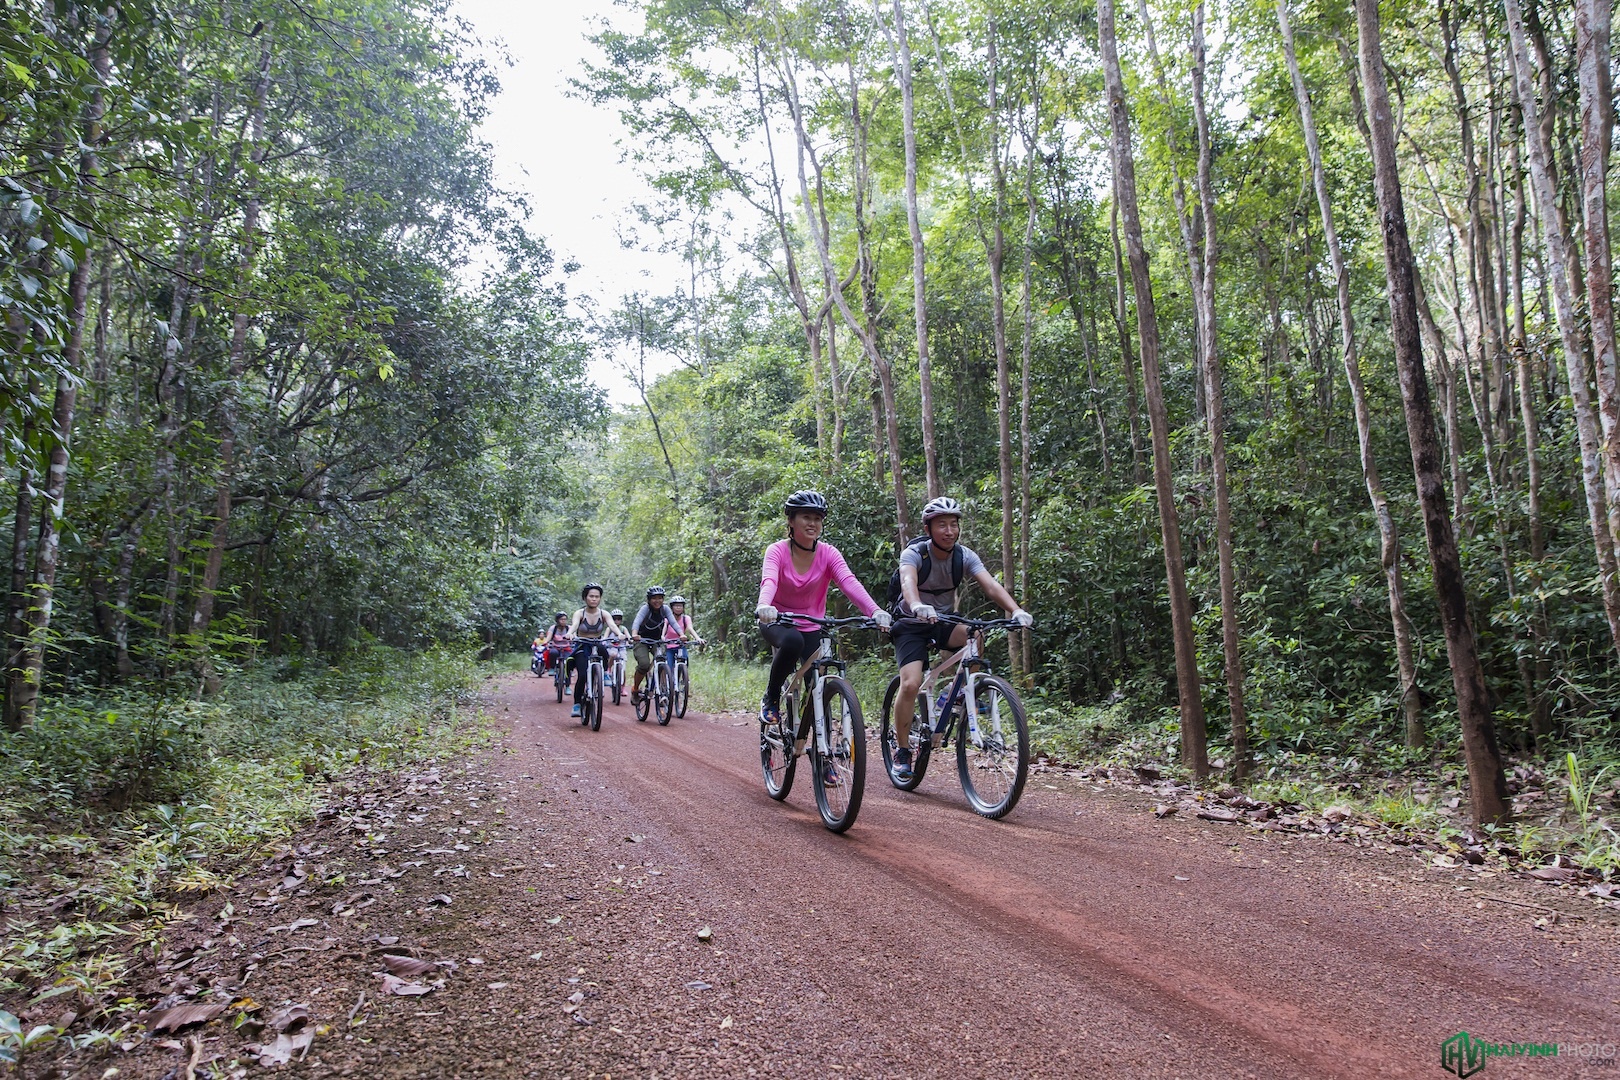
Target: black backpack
{"type": "Point", "coordinates": [924, 570]}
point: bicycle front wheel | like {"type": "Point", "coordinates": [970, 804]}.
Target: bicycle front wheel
{"type": "Point", "coordinates": [840, 772]}
{"type": "Point", "coordinates": [643, 703]}
{"type": "Point", "coordinates": [917, 739]}
{"type": "Point", "coordinates": [618, 680]}
{"type": "Point", "coordinates": [661, 697]}
{"type": "Point", "coordinates": [992, 748]}
{"type": "Point", "coordinates": [683, 690]}
{"type": "Point", "coordinates": [561, 677]}
{"type": "Point", "coordinates": [595, 704]}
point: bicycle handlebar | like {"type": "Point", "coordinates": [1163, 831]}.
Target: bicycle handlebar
{"type": "Point", "coordinates": [823, 622]}
{"type": "Point", "coordinates": [975, 624]}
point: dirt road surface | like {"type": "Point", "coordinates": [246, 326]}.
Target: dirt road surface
{"type": "Point", "coordinates": [566, 875]}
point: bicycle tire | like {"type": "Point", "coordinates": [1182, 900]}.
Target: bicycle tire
{"type": "Point", "coordinates": [595, 676]}
{"type": "Point", "coordinates": [840, 774]}
{"type": "Point", "coordinates": [993, 770]}
{"type": "Point", "coordinates": [561, 677]}
{"type": "Point", "coordinates": [643, 704]}
{"type": "Point", "coordinates": [662, 703]}
{"type": "Point", "coordinates": [683, 690]}
{"type": "Point", "coordinates": [776, 757]}
{"type": "Point", "coordinates": [921, 744]}
{"type": "Point", "coordinates": [618, 681]}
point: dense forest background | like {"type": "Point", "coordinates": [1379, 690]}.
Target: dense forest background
{"type": "Point", "coordinates": [287, 375]}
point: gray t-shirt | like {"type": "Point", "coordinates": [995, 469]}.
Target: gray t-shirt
{"type": "Point", "coordinates": [937, 590]}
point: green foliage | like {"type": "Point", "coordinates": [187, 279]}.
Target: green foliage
{"type": "Point", "coordinates": [207, 787]}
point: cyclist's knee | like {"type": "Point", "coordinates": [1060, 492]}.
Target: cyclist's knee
{"type": "Point", "coordinates": [911, 678]}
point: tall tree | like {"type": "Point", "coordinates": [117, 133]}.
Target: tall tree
{"type": "Point", "coordinates": [1487, 791]}
{"type": "Point", "coordinates": [1389, 539]}
{"type": "Point", "coordinates": [1194, 737]}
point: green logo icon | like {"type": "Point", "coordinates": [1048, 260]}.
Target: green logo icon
{"type": "Point", "coordinates": [1462, 1054]}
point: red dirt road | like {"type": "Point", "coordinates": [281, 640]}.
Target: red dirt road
{"type": "Point", "coordinates": [1079, 937]}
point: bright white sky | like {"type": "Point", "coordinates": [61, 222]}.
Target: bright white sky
{"type": "Point", "coordinates": [562, 153]}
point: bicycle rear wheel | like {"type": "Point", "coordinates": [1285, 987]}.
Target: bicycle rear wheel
{"type": "Point", "coordinates": [596, 697]}
{"type": "Point", "coordinates": [992, 748]}
{"type": "Point", "coordinates": [776, 757]}
{"type": "Point", "coordinates": [917, 738]}
{"type": "Point", "coordinates": [683, 690]}
{"type": "Point", "coordinates": [840, 772]}
{"type": "Point", "coordinates": [561, 677]}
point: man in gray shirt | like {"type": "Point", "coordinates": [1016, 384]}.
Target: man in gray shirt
{"type": "Point", "coordinates": [923, 601]}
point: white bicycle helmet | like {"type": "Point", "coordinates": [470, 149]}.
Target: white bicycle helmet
{"type": "Point", "coordinates": [944, 506]}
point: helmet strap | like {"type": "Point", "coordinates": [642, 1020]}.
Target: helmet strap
{"type": "Point", "coordinates": [800, 546]}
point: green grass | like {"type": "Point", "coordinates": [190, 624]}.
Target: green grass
{"type": "Point", "coordinates": [130, 801]}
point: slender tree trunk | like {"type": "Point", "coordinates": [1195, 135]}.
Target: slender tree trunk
{"type": "Point", "coordinates": [1122, 327]}
{"type": "Point", "coordinates": [1592, 19]}
{"type": "Point", "coordinates": [1194, 742]}
{"type": "Point", "coordinates": [1026, 298]}
{"type": "Point", "coordinates": [214, 562]}
{"type": "Point", "coordinates": [1487, 783]}
{"type": "Point", "coordinates": [1231, 633]}
{"type": "Point", "coordinates": [17, 602]}
{"type": "Point", "coordinates": [1562, 269]}
{"type": "Point", "coordinates": [31, 671]}
{"type": "Point", "coordinates": [900, 44]}
{"type": "Point", "coordinates": [1389, 541]}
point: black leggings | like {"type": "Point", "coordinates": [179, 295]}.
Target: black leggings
{"type": "Point", "coordinates": [793, 646]}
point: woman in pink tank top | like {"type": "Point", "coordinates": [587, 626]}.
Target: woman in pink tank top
{"type": "Point", "coordinates": [794, 580]}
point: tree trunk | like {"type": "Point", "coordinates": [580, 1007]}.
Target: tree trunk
{"type": "Point", "coordinates": [1389, 541]}
{"type": "Point", "coordinates": [1122, 328]}
{"type": "Point", "coordinates": [30, 672]}
{"type": "Point", "coordinates": [1593, 73]}
{"type": "Point", "coordinates": [1230, 631]}
{"type": "Point", "coordinates": [900, 45]}
{"type": "Point", "coordinates": [1562, 269]}
{"type": "Point", "coordinates": [214, 562]}
{"type": "Point", "coordinates": [1194, 741]}
{"type": "Point", "coordinates": [1487, 784]}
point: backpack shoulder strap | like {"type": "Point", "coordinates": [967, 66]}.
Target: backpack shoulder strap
{"type": "Point", "coordinates": [958, 562]}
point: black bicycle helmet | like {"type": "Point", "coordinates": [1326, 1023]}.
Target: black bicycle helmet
{"type": "Point", "coordinates": [589, 585]}
{"type": "Point", "coordinates": [559, 615]}
{"type": "Point", "coordinates": [655, 590]}
{"type": "Point", "coordinates": [804, 500]}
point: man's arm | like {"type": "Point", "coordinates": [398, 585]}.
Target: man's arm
{"type": "Point", "coordinates": [908, 586]}
{"type": "Point", "coordinates": [993, 590]}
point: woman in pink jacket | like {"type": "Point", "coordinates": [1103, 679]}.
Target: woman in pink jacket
{"type": "Point", "coordinates": [794, 579]}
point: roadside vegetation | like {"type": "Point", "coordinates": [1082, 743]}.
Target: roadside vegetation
{"type": "Point", "coordinates": [116, 808]}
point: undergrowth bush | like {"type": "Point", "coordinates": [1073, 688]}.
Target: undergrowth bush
{"type": "Point", "coordinates": [112, 808]}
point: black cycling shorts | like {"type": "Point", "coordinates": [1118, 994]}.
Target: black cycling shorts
{"type": "Point", "coordinates": [913, 636]}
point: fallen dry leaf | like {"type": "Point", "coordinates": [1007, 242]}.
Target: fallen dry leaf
{"type": "Point", "coordinates": [705, 934]}
{"type": "Point", "coordinates": [1553, 873]}
{"type": "Point", "coordinates": [296, 924]}
{"type": "Point", "coordinates": [284, 1047]}
{"type": "Point", "coordinates": [293, 1016]}
{"type": "Point", "coordinates": [1163, 810]}
{"type": "Point", "coordinates": [408, 966]}
{"type": "Point", "coordinates": [178, 1017]}
{"type": "Point", "coordinates": [393, 985]}
{"type": "Point", "coordinates": [725, 1023]}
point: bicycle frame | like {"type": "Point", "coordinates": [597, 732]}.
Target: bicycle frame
{"type": "Point", "coordinates": [822, 661]}
{"type": "Point", "coordinates": [969, 663]}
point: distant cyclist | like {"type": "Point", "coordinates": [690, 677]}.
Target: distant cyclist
{"type": "Point", "coordinates": [678, 631]}
{"type": "Point", "coordinates": [615, 652]}
{"type": "Point", "coordinates": [796, 575]}
{"type": "Point", "coordinates": [932, 567]}
{"type": "Point", "coordinates": [649, 622]}
{"type": "Point", "coordinates": [556, 642]}
{"type": "Point", "coordinates": [589, 626]}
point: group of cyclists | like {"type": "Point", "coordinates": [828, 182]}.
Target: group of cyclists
{"type": "Point", "coordinates": [797, 573]}
{"type": "Point", "coordinates": [571, 641]}
{"type": "Point", "coordinates": [799, 570]}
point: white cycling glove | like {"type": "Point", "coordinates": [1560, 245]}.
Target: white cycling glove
{"type": "Point", "coordinates": [925, 612]}
{"type": "Point", "coordinates": [1023, 618]}
{"type": "Point", "coordinates": [765, 613]}
{"type": "Point", "coordinates": [883, 619]}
